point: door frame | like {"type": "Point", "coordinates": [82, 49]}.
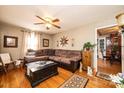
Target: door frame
{"type": "Point", "coordinates": [95, 50]}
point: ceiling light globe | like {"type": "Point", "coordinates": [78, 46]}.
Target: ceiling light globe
{"type": "Point", "coordinates": [120, 20]}
{"type": "Point", "coordinates": [48, 25]}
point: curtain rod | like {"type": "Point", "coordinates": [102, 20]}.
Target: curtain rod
{"type": "Point", "coordinates": [30, 31]}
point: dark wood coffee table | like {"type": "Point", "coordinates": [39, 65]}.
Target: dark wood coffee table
{"type": "Point", "coordinates": [40, 71]}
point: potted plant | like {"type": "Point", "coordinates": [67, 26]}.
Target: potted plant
{"type": "Point", "coordinates": [88, 46]}
{"type": "Point", "coordinates": [115, 48]}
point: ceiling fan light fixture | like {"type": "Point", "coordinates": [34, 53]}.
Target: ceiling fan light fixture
{"type": "Point", "coordinates": [48, 19]}
{"type": "Point", "coordinates": [48, 25]}
{"type": "Point", "coordinates": [120, 20]}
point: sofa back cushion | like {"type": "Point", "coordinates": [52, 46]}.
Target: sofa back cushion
{"type": "Point", "coordinates": [68, 53]}
{"type": "Point", "coordinates": [31, 52]}
{"type": "Point", "coordinates": [73, 53]}
{"type": "Point", "coordinates": [61, 53]}
{"type": "Point", "coordinates": [45, 52]}
{"type": "Point", "coordinates": [39, 53]}
{"type": "Point", "coordinates": [58, 52]}
{"type": "Point", "coordinates": [50, 52]}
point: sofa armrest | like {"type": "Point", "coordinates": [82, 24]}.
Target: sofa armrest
{"type": "Point", "coordinates": [28, 58]}
{"type": "Point", "coordinates": [75, 65]}
{"type": "Point", "coordinates": [75, 59]}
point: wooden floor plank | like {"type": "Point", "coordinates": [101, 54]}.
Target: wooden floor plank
{"type": "Point", "coordinates": [16, 78]}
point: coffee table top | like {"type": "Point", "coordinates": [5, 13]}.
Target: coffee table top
{"type": "Point", "coordinates": [34, 66]}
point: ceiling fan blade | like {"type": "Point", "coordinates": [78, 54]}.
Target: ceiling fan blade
{"type": "Point", "coordinates": [38, 23]}
{"type": "Point", "coordinates": [56, 26]}
{"type": "Point", "coordinates": [41, 18]}
{"type": "Point", "coordinates": [55, 20]}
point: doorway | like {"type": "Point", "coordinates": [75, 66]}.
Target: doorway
{"type": "Point", "coordinates": [109, 50]}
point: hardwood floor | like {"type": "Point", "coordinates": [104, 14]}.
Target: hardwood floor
{"type": "Point", "coordinates": [16, 79]}
{"type": "Point", "coordinates": [105, 66]}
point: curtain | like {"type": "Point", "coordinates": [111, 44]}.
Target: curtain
{"type": "Point", "coordinates": [38, 38]}
{"type": "Point", "coordinates": [25, 43]}
{"type": "Point", "coordinates": [30, 40]}
{"type": "Point", "coordinates": [34, 41]}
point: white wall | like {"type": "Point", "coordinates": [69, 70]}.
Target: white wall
{"type": "Point", "coordinates": [6, 29]}
{"type": "Point", "coordinates": [46, 36]}
{"type": "Point", "coordinates": [80, 36]}
{"type": "Point", "coordinates": [83, 34]}
{"type": "Point", "coordinates": [11, 31]}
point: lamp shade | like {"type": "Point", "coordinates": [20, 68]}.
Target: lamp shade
{"type": "Point", "coordinates": [120, 19]}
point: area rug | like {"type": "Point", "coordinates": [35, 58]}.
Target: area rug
{"type": "Point", "coordinates": [75, 81]}
{"type": "Point", "coordinates": [103, 76]}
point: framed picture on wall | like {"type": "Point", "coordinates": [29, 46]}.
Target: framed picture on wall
{"type": "Point", "coordinates": [45, 42]}
{"type": "Point", "coordinates": [10, 41]}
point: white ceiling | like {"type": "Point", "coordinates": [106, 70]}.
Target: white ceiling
{"type": "Point", "coordinates": [70, 16]}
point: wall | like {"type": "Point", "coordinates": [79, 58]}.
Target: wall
{"type": "Point", "coordinates": [46, 36]}
{"type": "Point", "coordinates": [84, 34]}
{"type": "Point", "coordinates": [11, 31]}
{"type": "Point", "coordinates": [6, 29]}
{"type": "Point", "coordinates": [79, 35]}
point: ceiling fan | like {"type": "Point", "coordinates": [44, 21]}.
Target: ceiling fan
{"type": "Point", "coordinates": [48, 22]}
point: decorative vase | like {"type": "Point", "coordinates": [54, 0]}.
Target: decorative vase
{"type": "Point", "coordinates": [81, 66]}
{"type": "Point", "coordinates": [89, 71]}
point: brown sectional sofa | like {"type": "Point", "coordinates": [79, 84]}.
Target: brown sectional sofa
{"type": "Point", "coordinates": [68, 59]}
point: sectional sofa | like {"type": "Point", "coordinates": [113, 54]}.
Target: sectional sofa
{"type": "Point", "coordinates": [68, 59]}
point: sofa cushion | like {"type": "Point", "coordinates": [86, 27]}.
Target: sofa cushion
{"type": "Point", "coordinates": [61, 53]}
{"type": "Point", "coordinates": [67, 53]}
{"type": "Point", "coordinates": [45, 52]}
{"type": "Point", "coordinates": [42, 57]}
{"type": "Point", "coordinates": [55, 58]}
{"type": "Point", "coordinates": [39, 53]}
{"type": "Point", "coordinates": [75, 59]}
{"type": "Point", "coordinates": [30, 53]}
{"type": "Point", "coordinates": [50, 52]}
{"type": "Point", "coordinates": [31, 59]}
{"type": "Point", "coordinates": [65, 60]}
{"type": "Point", "coordinates": [51, 57]}
{"type": "Point", "coordinates": [73, 54]}
{"type": "Point", "coordinates": [57, 53]}
{"type": "Point", "coordinates": [28, 56]}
